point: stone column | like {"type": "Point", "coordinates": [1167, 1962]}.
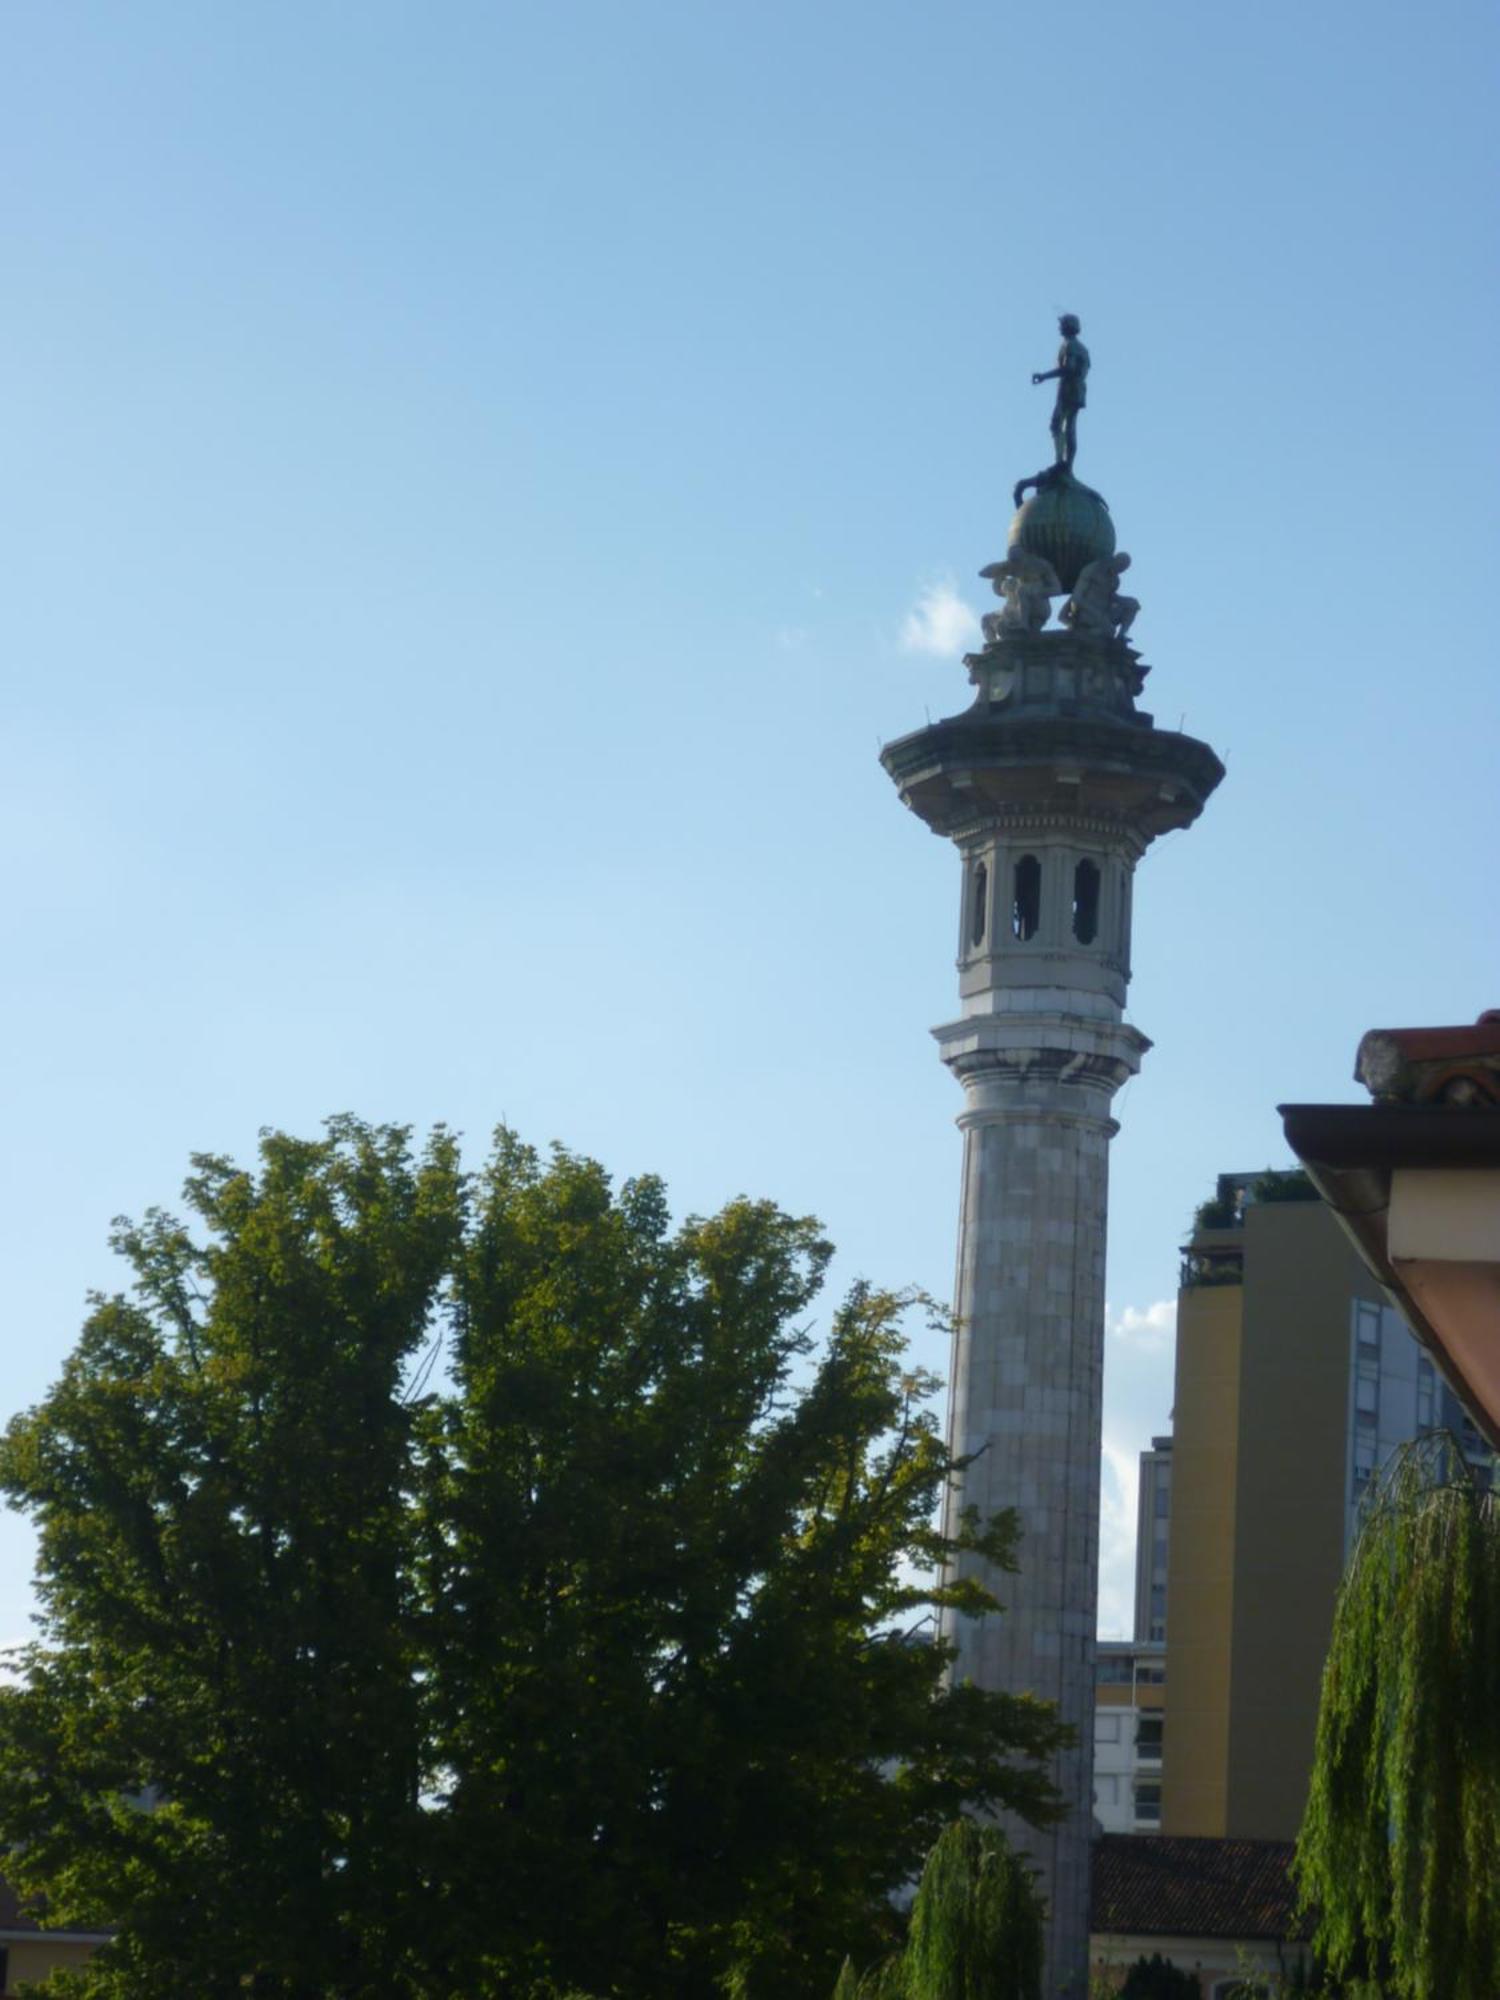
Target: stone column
{"type": "Point", "coordinates": [1026, 1391]}
{"type": "Point", "coordinates": [1051, 786]}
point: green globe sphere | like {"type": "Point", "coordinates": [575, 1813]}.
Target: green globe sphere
{"type": "Point", "coordinates": [1066, 523]}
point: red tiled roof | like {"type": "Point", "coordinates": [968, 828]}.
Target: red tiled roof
{"type": "Point", "coordinates": [1170, 1885]}
{"type": "Point", "coordinates": [1456, 1066]}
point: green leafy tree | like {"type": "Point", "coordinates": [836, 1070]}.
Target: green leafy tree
{"type": "Point", "coordinates": [587, 1661]}
{"type": "Point", "coordinates": [222, 1481]}
{"type": "Point", "coordinates": [1284, 1184]}
{"type": "Point", "coordinates": [1399, 1854]}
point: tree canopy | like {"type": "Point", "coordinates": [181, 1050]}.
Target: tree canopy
{"type": "Point", "coordinates": [457, 1584]}
{"type": "Point", "coordinates": [1399, 1854]}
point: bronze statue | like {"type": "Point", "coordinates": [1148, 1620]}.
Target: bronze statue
{"type": "Point", "coordinates": [1071, 377]}
{"type": "Point", "coordinates": [1056, 475]}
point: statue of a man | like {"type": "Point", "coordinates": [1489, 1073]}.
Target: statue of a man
{"type": "Point", "coordinates": [1071, 376]}
{"type": "Point", "coordinates": [1027, 583]}
{"type": "Point", "coordinates": [1096, 610]}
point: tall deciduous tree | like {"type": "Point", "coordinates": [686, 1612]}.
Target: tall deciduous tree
{"type": "Point", "coordinates": [587, 1660]}
{"type": "Point", "coordinates": [222, 1480]}
{"type": "Point", "coordinates": [1399, 1855]}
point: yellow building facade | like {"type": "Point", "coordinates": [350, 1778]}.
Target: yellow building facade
{"type": "Point", "coordinates": [1295, 1379]}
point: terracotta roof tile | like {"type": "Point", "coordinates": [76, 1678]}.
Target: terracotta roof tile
{"type": "Point", "coordinates": [1170, 1885]}
{"type": "Point", "coordinates": [1456, 1066]}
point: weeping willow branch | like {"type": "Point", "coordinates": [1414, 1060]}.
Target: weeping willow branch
{"type": "Point", "coordinates": [976, 1928]}
{"type": "Point", "coordinates": [1399, 1855]}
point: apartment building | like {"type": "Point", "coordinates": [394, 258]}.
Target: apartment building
{"type": "Point", "coordinates": [1129, 1715]}
{"type": "Point", "coordinates": [1295, 1380]}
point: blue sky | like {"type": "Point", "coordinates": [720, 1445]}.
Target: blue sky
{"type": "Point", "coordinates": [478, 483]}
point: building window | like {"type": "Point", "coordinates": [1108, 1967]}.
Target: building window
{"type": "Point", "coordinates": [1106, 1791]}
{"type": "Point", "coordinates": [1114, 1670]}
{"type": "Point", "coordinates": [1085, 902]}
{"type": "Point", "coordinates": [1106, 1728]}
{"type": "Point", "coordinates": [1148, 1803]}
{"type": "Point", "coordinates": [977, 901]}
{"type": "Point", "coordinates": [1367, 1395]}
{"type": "Point", "coordinates": [1426, 1394]}
{"type": "Point", "coordinates": [1364, 1458]}
{"type": "Point", "coordinates": [1026, 910]}
{"type": "Point", "coordinates": [1148, 1731]}
{"type": "Point", "coordinates": [1367, 1323]}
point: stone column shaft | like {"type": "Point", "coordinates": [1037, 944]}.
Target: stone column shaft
{"type": "Point", "coordinates": [1026, 1378]}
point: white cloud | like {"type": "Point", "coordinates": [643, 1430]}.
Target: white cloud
{"type": "Point", "coordinates": [939, 621]}
{"type": "Point", "coordinates": [1147, 1329]}
{"type": "Point", "coordinates": [1140, 1341]}
{"type": "Point", "coordinates": [1119, 1479]}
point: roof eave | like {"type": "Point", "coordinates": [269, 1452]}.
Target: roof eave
{"type": "Point", "coordinates": [1351, 1151]}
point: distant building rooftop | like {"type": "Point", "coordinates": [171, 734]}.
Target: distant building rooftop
{"type": "Point", "coordinates": [1167, 1885]}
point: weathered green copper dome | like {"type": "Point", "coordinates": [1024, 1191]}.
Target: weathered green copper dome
{"type": "Point", "coordinates": [1067, 523]}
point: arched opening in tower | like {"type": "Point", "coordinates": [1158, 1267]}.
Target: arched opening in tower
{"type": "Point", "coordinates": [1026, 909]}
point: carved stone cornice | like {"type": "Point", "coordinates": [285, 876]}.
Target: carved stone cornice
{"type": "Point", "coordinates": [1070, 672]}
{"type": "Point", "coordinates": [973, 770]}
{"type": "Point", "coordinates": [1116, 829]}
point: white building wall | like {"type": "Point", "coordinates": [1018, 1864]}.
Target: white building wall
{"type": "Point", "coordinates": [1114, 1769]}
{"type": "Point", "coordinates": [1127, 1737]}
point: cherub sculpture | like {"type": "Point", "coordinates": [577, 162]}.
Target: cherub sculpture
{"type": "Point", "coordinates": [1096, 610]}
{"type": "Point", "coordinates": [1027, 583]}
